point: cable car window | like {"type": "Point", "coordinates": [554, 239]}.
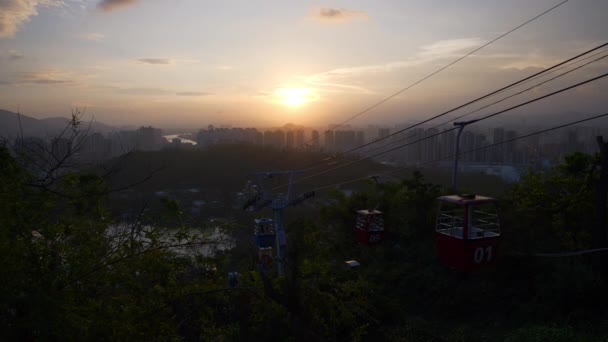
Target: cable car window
{"type": "Point", "coordinates": [450, 219]}
{"type": "Point", "coordinates": [484, 221]}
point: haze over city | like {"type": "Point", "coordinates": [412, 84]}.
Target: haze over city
{"type": "Point", "coordinates": [252, 63]}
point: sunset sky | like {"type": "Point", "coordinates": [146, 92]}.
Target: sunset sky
{"type": "Point", "coordinates": [173, 63]}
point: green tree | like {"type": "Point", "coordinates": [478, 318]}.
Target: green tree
{"type": "Point", "coordinates": [70, 272]}
{"type": "Point", "coordinates": [554, 209]}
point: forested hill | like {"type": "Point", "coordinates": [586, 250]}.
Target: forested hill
{"type": "Point", "coordinates": [14, 125]}
{"type": "Point", "coordinates": [226, 168]}
{"type": "Point", "coordinates": [72, 271]}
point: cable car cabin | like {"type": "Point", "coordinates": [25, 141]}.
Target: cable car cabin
{"type": "Point", "coordinates": [468, 231]}
{"type": "Point", "coordinates": [369, 226]}
{"type": "Point", "coordinates": [264, 232]}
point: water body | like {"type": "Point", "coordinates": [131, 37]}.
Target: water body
{"type": "Point", "coordinates": [208, 242]}
{"type": "Point", "coordinates": [170, 138]}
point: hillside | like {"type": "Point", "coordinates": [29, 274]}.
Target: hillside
{"type": "Point", "coordinates": [32, 127]}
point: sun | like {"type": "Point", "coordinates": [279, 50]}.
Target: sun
{"type": "Point", "coordinates": [295, 97]}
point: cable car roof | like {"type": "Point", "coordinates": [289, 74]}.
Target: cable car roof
{"type": "Point", "coordinates": [369, 212]}
{"type": "Point", "coordinates": [467, 200]}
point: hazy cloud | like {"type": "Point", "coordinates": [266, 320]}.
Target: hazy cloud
{"type": "Point", "coordinates": [48, 77]}
{"type": "Point", "coordinates": [11, 55]}
{"type": "Point", "coordinates": [532, 60]}
{"type": "Point", "coordinates": [109, 5]}
{"type": "Point", "coordinates": [142, 91]}
{"type": "Point", "coordinates": [93, 36]}
{"type": "Point", "coordinates": [447, 48]}
{"type": "Point", "coordinates": [155, 61]}
{"type": "Point", "coordinates": [14, 13]}
{"type": "Point", "coordinates": [14, 55]}
{"type": "Point", "coordinates": [43, 77]}
{"type": "Point", "coordinates": [192, 93]}
{"type": "Point", "coordinates": [345, 79]}
{"type": "Point", "coordinates": [337, 14]}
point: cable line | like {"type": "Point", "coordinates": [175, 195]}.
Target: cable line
{"type": "Point", "coordinates": [511, 96]}
{"type": "Point", "coordinates": [526, 79]}
{"type": "Point", "coordinates": [449, 130]}
{"type": "Point", "coordinates": [466, 152]}
{"type": "Point", "coordinates": [525, 90]}
{"type": "Point", "coordinates": [559, 255]}
{"type": "Point", "coordinates": [447, 66]}
{"type": "Point", "coordinates": [501, 100]}
{"type": "Point", "coordinates": [542, 97]}
{"type": "Point", "coordinates": [441, 69]}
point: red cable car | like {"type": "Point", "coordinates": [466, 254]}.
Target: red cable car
{"type": "Point", "coordinates": [265, 257]}
{"type": "Point", "coordinates": [467, 233]}
{"type": "Point", "coordinates": [369, 226]}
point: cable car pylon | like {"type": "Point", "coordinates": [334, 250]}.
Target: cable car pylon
{"type": "Point", "coordinates": [277, 202]}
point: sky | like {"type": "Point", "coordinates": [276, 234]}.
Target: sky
{"type": "Point", "coordinates": [190, 63]}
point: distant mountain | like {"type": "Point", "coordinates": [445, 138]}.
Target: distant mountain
{"type": "Point", "coordinates": [9, 125]}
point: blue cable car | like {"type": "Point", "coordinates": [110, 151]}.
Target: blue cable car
{"type": "Point", "coordinates": [264, 233]}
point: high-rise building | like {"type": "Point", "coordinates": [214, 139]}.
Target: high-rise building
{"type": "Point", "coordinates": [315, 139]}
{"type": "Point", "coordinates": [330, 141]}
{"type": "Point", "coordinates": [60, 148]}
{"type": "Point", "coordinates": [360, 138]}
{"type": "Point", "coordinates": [447, 143]}
{"type": "Point", "coordinates": [259, 138]}
{"type": "Point", "coordinates": [383, 132]}
{"type": "Point", "coordinates": [416, 149]}
{"type": "Point", "coordinates": [275, 139]}
{"type": "Point", "coordinates": [480, 154]}
{"type": "Point", "coordinates": [290, 140]}
{"type": "Point", "coordinates": [509, 147]}
{"type": "Point", "coordinates": [345, 140]}
{"type": "Point", "coordinates": [467, 144]}
{"type": "Point", "coordinates": [571, 144]}
{"type": "Point", "coordinates": [430, 145]}
{"type": "Point", "coordinates": [148, 139]}
{"type": "Point", "coordinates": [496, 152]}
{"type": "Point", "coordinates": [299, 139]}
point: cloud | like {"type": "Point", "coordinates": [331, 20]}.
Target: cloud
{"type": "Point", "coordinates": [48, 77]}
{"type": "Point", "coordinates": [14, 55]}
{"type": "Point", "coordinates": [14, 13]}
{"type": "Point", "coordinates": [155, 61]}
{"type": "Point", "coordinates": [192, 93]}
{"type": "Point", "coordinates": [447, 48]}
{"type": "Point", "coordinates": [533, 60]}
{"type": "Point", "coordinates": [49, 81]}
{"type": "Point", "coordinates": [337, 14]}
{"type": "Point", "coordinates": [142, 91]}
{"type": "Point", "coordinates": [348, 79]}
{"type": "Point", "coordinates": [45, 77]}
{"type": "Point", "coordinates": [11, 55]}
{"type": "Point", "coordinates": [110, 5]}
{"type": "Point", "coordinates": [93, 36]}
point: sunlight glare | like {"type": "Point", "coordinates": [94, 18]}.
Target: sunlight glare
{"type": "Point", "coordinates": [295, 96]}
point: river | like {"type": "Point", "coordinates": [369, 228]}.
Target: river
{"type": "Point", "coordinates": [184, 141]}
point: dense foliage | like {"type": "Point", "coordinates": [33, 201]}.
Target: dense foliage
{"type": "Point", "coordinates": [71, 272]}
